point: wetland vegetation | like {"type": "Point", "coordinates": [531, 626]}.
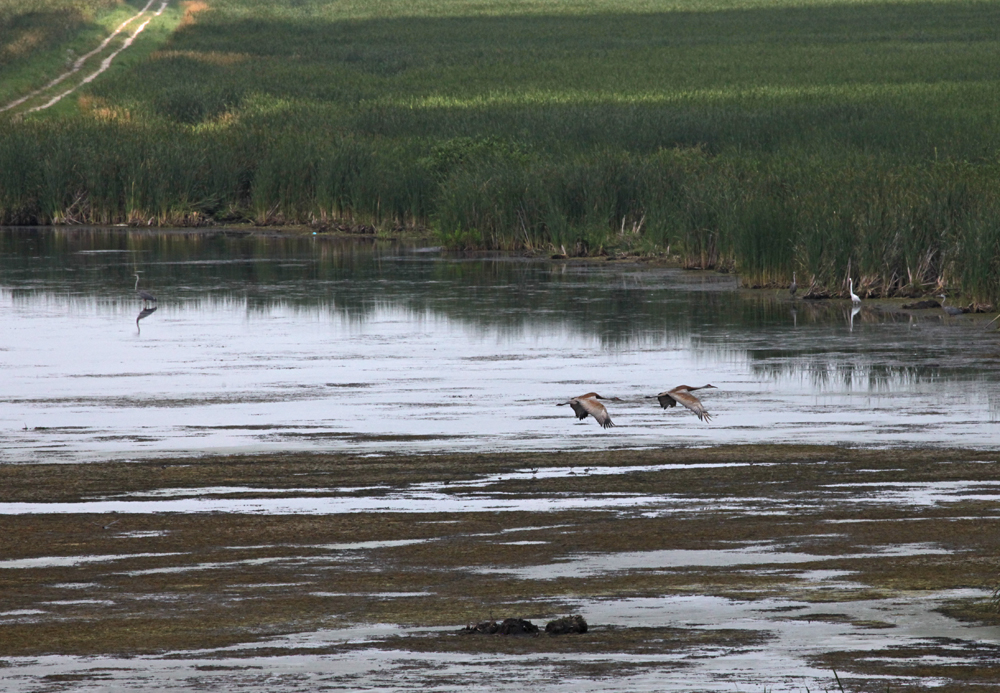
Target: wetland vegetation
{"type": "Point", "coordinates": [856, 138]}
{"type": "Point", "coordinates": [341, 555]}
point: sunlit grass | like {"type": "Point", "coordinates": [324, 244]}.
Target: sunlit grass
{"type": "Point", "coordinates": [765, 137]}
{"type": "Point", "coordinates": [40, 38]}
{"type": "Point", "coordinates": [754, 96]}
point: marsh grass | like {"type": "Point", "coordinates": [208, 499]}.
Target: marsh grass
{"type": "Point", "coordinates": [856, 139]}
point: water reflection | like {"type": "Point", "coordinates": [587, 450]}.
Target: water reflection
{"type": "Point", "coordinates": [847, 376]}
{"type": "Point", "coordinates": [144, 313]}
{"type": "Point", "coordinates": [352, 280]}
{"type": "Point", "coordinates": [318, 343]}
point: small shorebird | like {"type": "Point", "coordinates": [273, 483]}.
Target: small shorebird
{"type": "Point", "coordinates": [682, 395]}
{"type": "Point", "coordinates": [587, 405]}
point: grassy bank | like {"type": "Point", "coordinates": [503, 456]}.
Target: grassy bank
{"type": "Point", "coordinates": [855, 138]}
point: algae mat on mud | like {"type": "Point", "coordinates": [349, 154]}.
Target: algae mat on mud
{"type": "Point", "coordinates": [695, 568]}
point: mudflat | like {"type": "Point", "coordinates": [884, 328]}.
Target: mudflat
{"type": "Point", "coordinates": [695, 569]}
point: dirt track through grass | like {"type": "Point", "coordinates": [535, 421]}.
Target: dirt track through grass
{"type": "Point", "coordinates": [79, 63]}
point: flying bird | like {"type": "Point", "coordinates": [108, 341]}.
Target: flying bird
{"type": "Point", "coordinates": [587, 405]}
{"type": "Point", "coordinates": [682, 395]}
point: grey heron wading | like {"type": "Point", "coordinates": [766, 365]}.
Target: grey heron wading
{"type": "Point", "coordinates": [950, 310]}
{"type": "Point", "coordinates": [144, 295]}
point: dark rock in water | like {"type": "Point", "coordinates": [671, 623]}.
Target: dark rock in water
{"type": "Point", "coordinates": [509, 626]}
{"type": "Point", "coordinates": [566, 624]}
{"type": "Point", "coordinates": [517, 626]}
{"type": "Point", "coordinates": [485, 627]}
{"type": "Point", "coordinates": [921, 305]}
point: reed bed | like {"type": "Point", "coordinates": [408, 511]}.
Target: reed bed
{"type": "Point", "coordinates": [855, 140]}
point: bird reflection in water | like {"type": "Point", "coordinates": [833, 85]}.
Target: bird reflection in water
{"type": "Point", "coordinates": [144, 313]}
{"type": "Point", "coordinates": [855, 309]}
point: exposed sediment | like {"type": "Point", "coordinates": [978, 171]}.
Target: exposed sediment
{"type": "Point", "coordinates": [767, 544]}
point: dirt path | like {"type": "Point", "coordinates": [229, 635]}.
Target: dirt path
{"type": "Point", "coordinates": [82, 61]}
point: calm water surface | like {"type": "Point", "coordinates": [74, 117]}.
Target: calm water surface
{"type": "Point", "coordinates": [265, 343]}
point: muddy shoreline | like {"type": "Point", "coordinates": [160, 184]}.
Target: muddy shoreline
{"type": "Point", "coordinates": [245, 553]}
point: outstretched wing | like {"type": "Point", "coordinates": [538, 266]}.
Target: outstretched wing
{"type": "Point", "coordinates": [666, 400]}
{"type": "Point", "coordinates": [595, 409]}
{"type": "Point", "coordinates": [692, 403]}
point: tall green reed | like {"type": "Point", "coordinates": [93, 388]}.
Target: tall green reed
{"type": "Point", "coordinates": [892, 227]}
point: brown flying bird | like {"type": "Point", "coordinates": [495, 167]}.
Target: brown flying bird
{"type": "Point", "coordinates": [682, 395]}
{"type": "Point", "coordinates": [587, 405]}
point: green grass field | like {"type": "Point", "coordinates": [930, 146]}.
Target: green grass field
{"type": "Point", "coordinates": [825, 138]}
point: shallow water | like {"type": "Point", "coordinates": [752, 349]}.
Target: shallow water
{"type": "Point", "coordinates": [717, 597]}
{"type": "Point", "coordinates": [474, 495]}
{"type": "Point", "coordinates": [309, 343]}
{"type": "Point", "coordinates": [793, 629]}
